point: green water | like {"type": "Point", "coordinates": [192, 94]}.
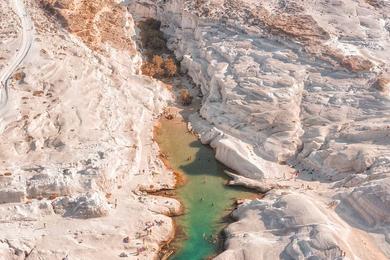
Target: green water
{"type": "Point", "coordinates": [205, 196]}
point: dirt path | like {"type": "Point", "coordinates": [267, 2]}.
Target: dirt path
{"type": "Point", "coordinates": [27, 39]}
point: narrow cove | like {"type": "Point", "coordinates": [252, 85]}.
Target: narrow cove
{"type": "Point", "coordinates": [205, 196]}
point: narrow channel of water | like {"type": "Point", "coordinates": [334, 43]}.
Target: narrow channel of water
{"type": "Point", "coordinates": [205, 196]}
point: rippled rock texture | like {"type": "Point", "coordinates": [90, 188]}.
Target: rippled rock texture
{"type": "Point", "coordinates": [76, 138]}
{"type": "Point", "coordinates": [294, 226]}
{"type": "Point", "coordinates": [293, 90]}
{"type": "Point", "coordinates": [296, 93]}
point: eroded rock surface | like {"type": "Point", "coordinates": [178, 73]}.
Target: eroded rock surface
{"type": "Point", "coordinates": [294, 226]}
{"type": "Point", "coordinates": [296, 93]}
{"type": "Point", "coordinates": [293, 90]}
{"type": "Point", "coordinates": [90, 205]}
{"type": "Point", "coordinates": [76, 137]}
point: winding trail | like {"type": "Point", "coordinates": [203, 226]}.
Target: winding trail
{"type": "Point", "coordinates": [27, 39]}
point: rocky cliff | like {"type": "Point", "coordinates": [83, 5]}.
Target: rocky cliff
{"type": "Point", "coordinates": [292, 90]}
{"type": "Point", "coordinates": [295, 98]}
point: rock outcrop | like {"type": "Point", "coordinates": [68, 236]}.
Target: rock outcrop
{"type": "Point", "coordinates": [294, 226]}
{"type": "Point", "coordinates": [92, 205]}
{"type": "Point", "coordinates": [371, 202]}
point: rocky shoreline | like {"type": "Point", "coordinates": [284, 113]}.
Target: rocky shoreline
{"type": "Point", "coordinates": [290, 99]}
{"type": "Point", "coordinates": [295, 100]}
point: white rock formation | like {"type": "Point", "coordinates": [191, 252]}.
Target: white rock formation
{"type": "Point", "coordinates": [76, 137]}
{"type": "Point", "coordinates": [287, 86]}
{"type": "Point", "coordinates": [92, 205]}
{"type": "Point", "coordinates": [293, 225]}
{"type": "Point", "coordinates": [292, 86]}
{"type": "Point", "coordinates": [371, 202]}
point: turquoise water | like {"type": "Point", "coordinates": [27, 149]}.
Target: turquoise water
{"type": "Point", "coordinates": [205, 196]}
